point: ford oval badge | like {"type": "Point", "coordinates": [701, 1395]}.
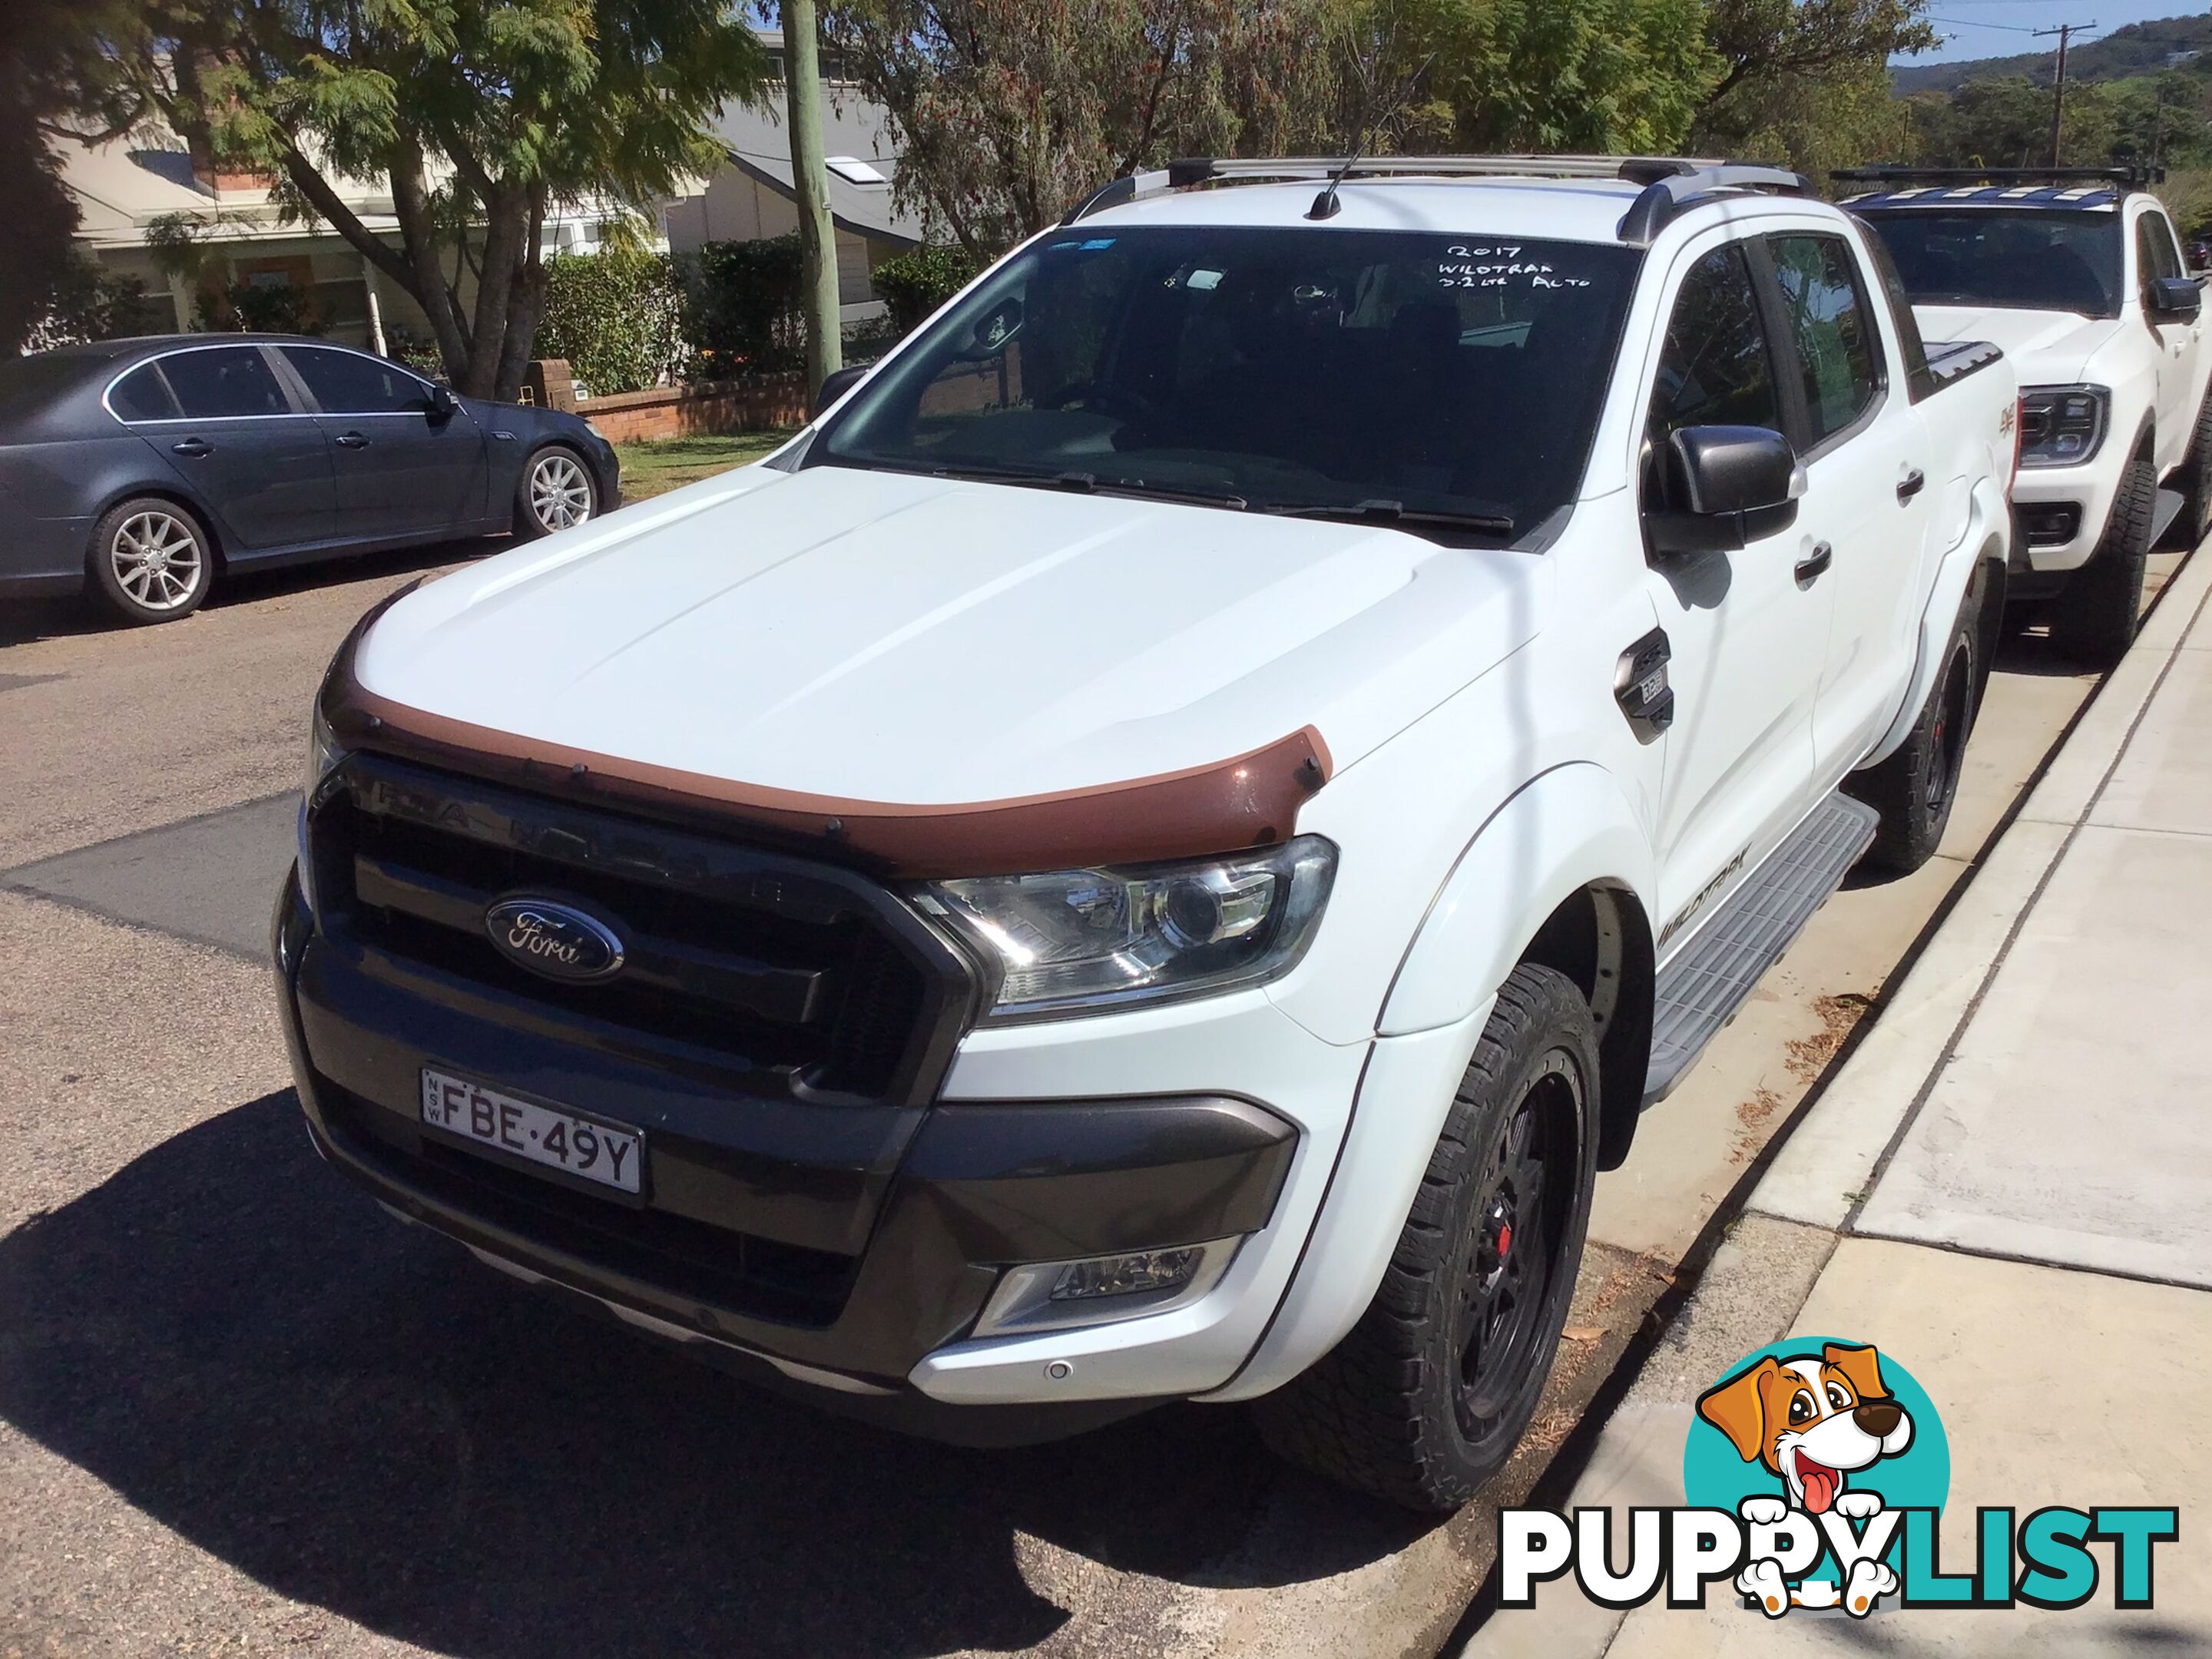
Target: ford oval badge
{"type": "Point", "coordinates": [552, 938]}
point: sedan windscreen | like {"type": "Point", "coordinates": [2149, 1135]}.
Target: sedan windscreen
{"type": "Point", "coordinates": [1448, 381]}
{"type": "Point", "coordinates": [2041, 259]}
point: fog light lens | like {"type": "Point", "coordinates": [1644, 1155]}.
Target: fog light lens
{"type": "Point", "coordinates": [1098, 1289]}
{"type": "Point", "coordinates": [1122, 1275]}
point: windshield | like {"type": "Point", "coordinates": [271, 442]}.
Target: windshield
{"type": "Point", "coordinates": [1450, 381]}
{"type": "Point", "coordinates": [2038, 260]}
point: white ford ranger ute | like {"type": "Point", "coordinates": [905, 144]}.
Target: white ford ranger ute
{"type": "Point", "coordinates": [2076, 274]}
{"type": "Point", "coordinates": [1156, 850]}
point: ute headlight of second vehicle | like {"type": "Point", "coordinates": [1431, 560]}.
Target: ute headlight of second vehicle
{"type": "Point", "coordinates": [2061, 425]}
{"type": "Point", "coordinates": [1087, 941]}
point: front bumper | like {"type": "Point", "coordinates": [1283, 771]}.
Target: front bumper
{"type": "Point", "coordinates": [842, 1251]}
{"type": "Point", "coordinates": [2048, 497]}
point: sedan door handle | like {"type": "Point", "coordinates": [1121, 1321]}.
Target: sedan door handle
{"type": "Point", "coordinates": [193, 448]}
{"type": "Point", "coordinates": [350, 440]}
{"type": "Point", "coordinates": [1913, 483]}
{"type": "Point", "coordinates": [1812, 568]}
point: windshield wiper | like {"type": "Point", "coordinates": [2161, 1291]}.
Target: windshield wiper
{"type": "Point", "coordinates": [1090, 483]}
{"type": "Point", "coordinates": [1397, 513]}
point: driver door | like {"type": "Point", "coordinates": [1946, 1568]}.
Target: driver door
{"type": "Point", "coordinates": [2179, 338]}
{"type": "Point", "coordinates": [1747, 637]}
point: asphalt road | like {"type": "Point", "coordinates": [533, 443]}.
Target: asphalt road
{"type": "Point", "coordinates": [242, 1410]}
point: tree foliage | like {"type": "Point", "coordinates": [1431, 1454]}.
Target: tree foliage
{"type": "Point", "coordinates": [481, 115]}
{"type": "Point", "coordinates": [1008, 112]}
{"type": "Point", "coordinates": [2005, 121]}
{"type": "Point", "coordinates": [1805, 82]}
{"type": "Point", "coordinates": [1596, 76]}
{"type": "Point", "coordinates": [615, 315]}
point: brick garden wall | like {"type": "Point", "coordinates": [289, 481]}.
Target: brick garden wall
{"type": "Point", "coordinates": [751, 404]}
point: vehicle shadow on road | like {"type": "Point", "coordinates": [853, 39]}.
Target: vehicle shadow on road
{"type": "Point", "coordinates": [359, 1416]}
{"type": "Point", "coordinates": [27, 620]}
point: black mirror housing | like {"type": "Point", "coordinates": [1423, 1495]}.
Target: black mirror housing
{"type": "Point", "coordinates": [2175, 298]}
{"type": "Point", "coordinates": [1724, 487]}
{"type": "Point", "coordinates": [835, 384]}
{"type": "Point", "coordinates": [443, 404]}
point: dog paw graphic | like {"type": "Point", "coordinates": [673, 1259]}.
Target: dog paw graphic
{"type": "Point", "coordinates": [1868, 1581]}
{"type": "Point", "coordinates": [1762, 1511]}
{"type": "Point", "coordinates": [1762, 1581]}
{"type": "Point", "coordinates": [1858, 1505]}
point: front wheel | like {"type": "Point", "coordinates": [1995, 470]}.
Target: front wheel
{"type": "Point", "coordinates": [1426, 1398]}
{"type": "Point", "coordinates": [2092, 619]}
{"type": "Point", "coordinates": [151, 561]}
{"type": "Point", "coordinates": [557, 492]}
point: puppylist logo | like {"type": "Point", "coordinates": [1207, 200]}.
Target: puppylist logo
{"type": "Point", "coordinates": [1814, 1478]}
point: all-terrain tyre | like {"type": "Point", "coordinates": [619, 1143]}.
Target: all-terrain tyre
{"type": "Point", "coordinates": [2092, 619]}
{"type": "Point", "coordinates": [556, 492]}
{"type": "Point", "coordinates": [1914, 788]}
{"type": "Point", "coordinates": [1427, 1396]}
{"type": "Point", "coordinates": [2193, 478]}
{"type": "Point", "coordinates": [151, 560]}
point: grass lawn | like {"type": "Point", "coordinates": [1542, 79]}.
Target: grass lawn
{"type": "Point", "coordinates": [664, 464]}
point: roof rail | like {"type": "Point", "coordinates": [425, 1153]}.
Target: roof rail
{"type": "Point", "coordinates": [1671, 182]}
{"type": "Point", "coordinates": [2134, 178]}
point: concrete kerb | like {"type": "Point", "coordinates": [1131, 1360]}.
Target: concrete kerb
{"type": "Point", "coordinates": [1762, 1304]}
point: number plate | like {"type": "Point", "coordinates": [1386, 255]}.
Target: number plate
{"type": "Point", "coordinates": [588, 1148]}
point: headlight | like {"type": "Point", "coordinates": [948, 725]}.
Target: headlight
{"type": "Point", "coordinates": [2061, 425]}
{"type": "Point", "coordinates": [1090, 940]}
{"type": "Point", "coordinates": [323, 753]}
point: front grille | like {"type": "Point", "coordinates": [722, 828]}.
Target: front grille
{"type": "Point", "coordinates": [798, 970]}
{"type": "Point", "coordinates": [764, 1278]}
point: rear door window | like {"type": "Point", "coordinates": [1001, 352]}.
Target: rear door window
{"type": "Point", "coordinates": [224, 382]}
{"type": "Point", "coordinates": [1828, 331]}
{"type": "Point", "coordinates": [347, 383]}
{"type": "Point", "coordinates": [142, 395]}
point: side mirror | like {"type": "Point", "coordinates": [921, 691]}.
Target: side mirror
{"type": "Point", "coordinates": [443, 404]}
{"type": "Point", "coordinates": [835, 384]}
{"type": "Point", "coordinates": [1724, 488]}
{"type": "Point", "coordinates": [2175, 298]}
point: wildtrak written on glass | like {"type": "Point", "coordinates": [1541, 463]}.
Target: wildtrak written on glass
{"type": "Point", "coordinates": [1449, 383]}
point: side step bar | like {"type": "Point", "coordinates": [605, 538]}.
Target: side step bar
{"type": "Point", "coordinates": [1699, 991]}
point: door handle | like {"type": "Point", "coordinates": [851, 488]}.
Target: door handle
{"type": "Point", "coordinates": [1813, 568]}
{"type": "Point", "coordinates": [1912, 483]}
{"type": "Point", "coordinates": [193, 448]}
{"type": "Point", "coordinates": [350, 440]}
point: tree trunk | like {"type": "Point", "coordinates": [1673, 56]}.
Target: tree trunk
{"type": "Point", "coordinates": [506, 218]}
{"type": "Point", "coordinates": [524, 308]}
{"type": "Point", "coordinates": [818, 231]}
{"type": "Point", "coordinates": [422, 275]}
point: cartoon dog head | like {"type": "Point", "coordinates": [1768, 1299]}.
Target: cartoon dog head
{"type": "Point", "coordinates": [1810, 1420]}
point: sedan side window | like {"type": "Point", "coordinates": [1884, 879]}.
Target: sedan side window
{"type": "Point", "coordinates": [1714, 369]}
{"type": "Point", "coordinates": [224, 382]}
{"type": "Point", "coordinates": [1830, 328]}
{"type": "Point", "coordinates": [142, 395]}
{"type": "Point", "coordinates": [347, 383]}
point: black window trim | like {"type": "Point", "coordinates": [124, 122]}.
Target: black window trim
{"type": "Point", "coordinates": [1782, 346]}
{"type": "Point", "coordinates": [304, 394]}
{"type": "Point", "coordinates": [276, 367]}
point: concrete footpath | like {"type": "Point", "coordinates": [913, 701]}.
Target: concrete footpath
{"type": "Point", "coordinates": [2007, 1188]}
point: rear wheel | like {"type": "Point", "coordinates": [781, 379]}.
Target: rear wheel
{"type": "Point", "coordinates": [2194, 480]}
{"type": "Point", "coordinates": [557, 492]}
{"type": "Point", "coordinates": [152, 560]}
{"type": "Point", "coordinates": [2093, 619]}
{"type": "Point", "coordinates": [1426, 1398]}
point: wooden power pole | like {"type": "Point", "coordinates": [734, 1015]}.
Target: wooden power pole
{"type": "Point", "coordinates": [810, 181]}
{"type": "Point", "coordinates": [2065, 32]}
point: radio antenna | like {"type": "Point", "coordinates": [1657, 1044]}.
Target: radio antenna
{"type": "Point", "coordinates": [1325, 204]}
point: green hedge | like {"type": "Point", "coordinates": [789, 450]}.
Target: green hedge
{"type": "Point", "coordinates": [742, 307]}
{"type": "Point", "coordinates": [914, 284]}
{"type": "Point", "coordinates": [616, 316]}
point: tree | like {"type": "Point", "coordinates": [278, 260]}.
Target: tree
{"type": "Point", "coordinates": [1595, 76]}
{"type": "Point", "coordinates": [480, 114]}
{"type": "Point", "coordinates": [1808, 73]}
{"type": "Point", "coordinates": [51, 53]}
{"type": "Point", "coordinates": [810, 191]}
{"type": "Point", "coordinates": [1009, 112]}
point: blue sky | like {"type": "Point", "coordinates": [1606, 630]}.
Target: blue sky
{"type": "Point", "coordinates": [1991, 28]}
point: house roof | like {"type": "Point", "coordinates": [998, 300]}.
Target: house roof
{"type": "Point", "coordinates": [758, 143]}
{"type": "Point", "coordinates": [122, 185]}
